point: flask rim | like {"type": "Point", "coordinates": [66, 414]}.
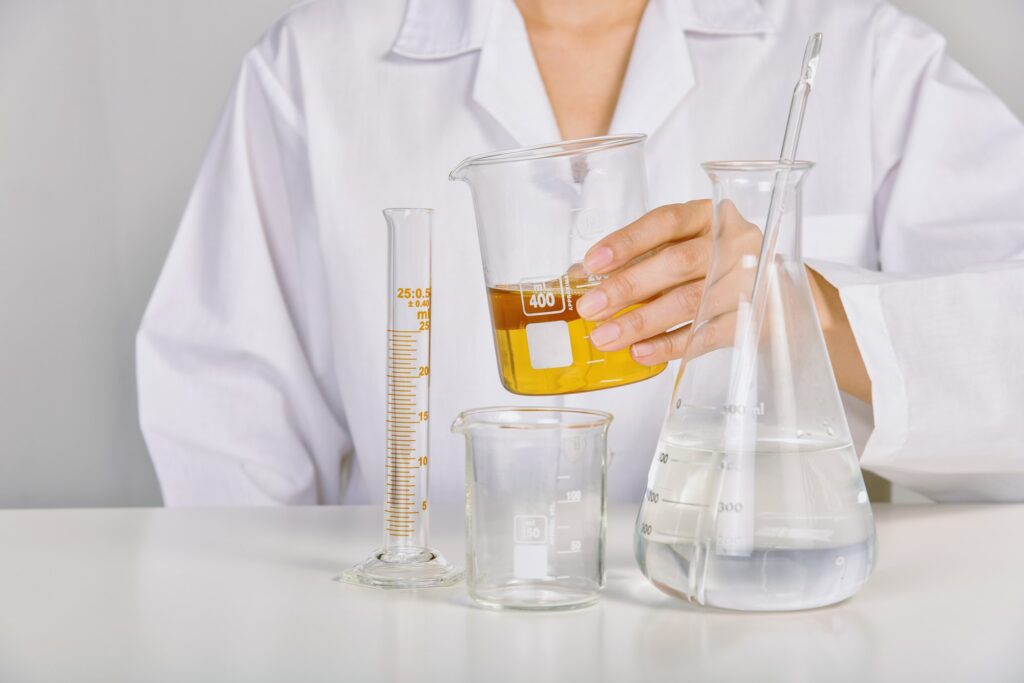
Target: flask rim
{"type": "Point", "coordinates": [549, 150]}
{"type": "Point", "coordinates": [757, 165]}
{"type": "Point", "coordinates": [405, 211]}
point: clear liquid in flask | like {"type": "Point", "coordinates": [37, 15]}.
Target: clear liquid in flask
{"type": "Point", "coordinates": [811, 543]}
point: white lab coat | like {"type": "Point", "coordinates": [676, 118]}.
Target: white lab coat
{"type": "Point", "coordinates": [261, 356]}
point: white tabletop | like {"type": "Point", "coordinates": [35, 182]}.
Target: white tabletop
{"type": "Point", "coordinates": [247, 595]}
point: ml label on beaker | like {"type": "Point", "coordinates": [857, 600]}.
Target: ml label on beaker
{"type": "Point", "coordinates": [530, 529]}
{"type": "Point", "coordinates": [544, 296]}
{"type": "Point", "coordinates": [530, 553]}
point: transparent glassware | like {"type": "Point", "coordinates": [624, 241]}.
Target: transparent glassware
{"type": "Point", "coordinates": [755, 499]}
{"type": "Point", "coordinates": [538, 211]}
{"type": "Point", "coordinates": [406, 560]}
{"type": "Point", "coordinates": [535, 505]}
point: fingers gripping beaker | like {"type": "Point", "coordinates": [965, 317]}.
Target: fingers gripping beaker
{"type": "Point", "coordinates": [535, 505]}
{"type": "Point", "coordinates": [755, 498]}
{"type": "Point", "coordinates": [538, 211]}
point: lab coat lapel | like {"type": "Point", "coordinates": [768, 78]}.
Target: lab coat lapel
{"type": "Point", "coordinates": [659, 75]}
{"type": "Point", "coordinates": [660, 72]}
{"type": "Point", "coordinates": [508, 85]}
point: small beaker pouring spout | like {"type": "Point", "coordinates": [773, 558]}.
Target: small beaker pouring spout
{"type": "Point", "coordinates": [461, 171]}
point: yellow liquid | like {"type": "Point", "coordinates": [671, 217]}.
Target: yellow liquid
{"type": "Point", "coordinates": [545, 317]}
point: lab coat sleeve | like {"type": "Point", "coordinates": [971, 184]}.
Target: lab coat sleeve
{"type": "Point", "coordinates": [236, 394]}
{"type": "Point", "coordinates": [941, 329]}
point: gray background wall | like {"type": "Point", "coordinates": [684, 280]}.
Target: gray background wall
{"type": "Point", "coordinates": [106, 107]}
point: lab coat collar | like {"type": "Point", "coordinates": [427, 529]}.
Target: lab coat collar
{"type": "Point", "coordinates": [439, 29]}
{"type": "Point", "coordinates": [508, 85]}
{"type": "Point", "coordinates": [722, 17]}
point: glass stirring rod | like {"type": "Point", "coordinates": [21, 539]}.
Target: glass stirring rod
{"type": "Point", "coordinates": [738, 486]}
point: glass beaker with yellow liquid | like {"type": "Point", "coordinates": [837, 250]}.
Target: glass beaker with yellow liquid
{"type": "Point", "coordinates": [544, 345]}
{"type": "Point", "coordinates": [538, 210]}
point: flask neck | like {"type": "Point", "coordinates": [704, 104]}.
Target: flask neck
{"type": "Point", "coordinates": [745, 194]}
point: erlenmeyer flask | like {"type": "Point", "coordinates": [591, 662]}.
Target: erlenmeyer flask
{"type": "Point", "coordinates": [755, 498]}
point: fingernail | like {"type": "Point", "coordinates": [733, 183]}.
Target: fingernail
{"type": "Point", "coordinates": [641, 349]}
{"type": "Point", "coordinates": [591, 303]}
{"type": "Point", "coordinates": [605, 334]}
{"type": "Point", "coordinates": [598, 258]}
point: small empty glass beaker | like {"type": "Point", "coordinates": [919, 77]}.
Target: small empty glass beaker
{"type": "Point", "coordinates": [535, 505]}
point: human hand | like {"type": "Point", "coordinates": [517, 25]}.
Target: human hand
{"type": "Point", "coordinates": [662, 260]}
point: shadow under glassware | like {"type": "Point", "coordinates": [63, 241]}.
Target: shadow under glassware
{"type": "Point", "coordinates": [538, 210]}
{"type": "Point", "coordinates": [535, 505]}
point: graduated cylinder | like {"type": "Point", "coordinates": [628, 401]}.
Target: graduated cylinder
{"type": "Point", "coordinates": [406, 560]}
{"type": "Point", "coordinates": [408, 382]}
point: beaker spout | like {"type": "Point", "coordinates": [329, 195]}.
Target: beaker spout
{"type": "Point", "coordinates": [461, 171]}
{"type": "Point", "coordinates": [459, 426]}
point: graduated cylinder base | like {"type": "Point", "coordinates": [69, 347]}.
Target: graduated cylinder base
{"type": "Point", "coordinates": [420, 568]}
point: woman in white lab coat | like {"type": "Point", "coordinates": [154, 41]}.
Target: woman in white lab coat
{"type": "Point", "coordinates": [261, 355]}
